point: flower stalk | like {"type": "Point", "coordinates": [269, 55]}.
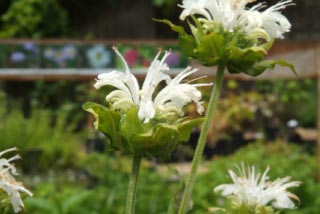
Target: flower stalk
{"type": "Point", "coordinates": [132, 188]}
{"type": "Point", "coordinates": [202, 139]}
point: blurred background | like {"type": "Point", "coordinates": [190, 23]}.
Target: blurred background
{"type": "Point", "coordinates": [50, 54]}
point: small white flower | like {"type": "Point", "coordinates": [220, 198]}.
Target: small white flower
{"type": "Point", "coordinates": [254, 189]}
{"type": "Point", "coordinates": [8, 182]}
{"type": "Point", "coordinates": [233, 14]}
{"type": "Point", "coordinates": [170, 99]}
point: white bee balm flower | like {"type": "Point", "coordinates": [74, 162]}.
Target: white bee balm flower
{"type": "Point", "coordinates": [253, 189]}
{"type": "Point", "coordinates": [8, 183]}
{"type": "Point", "coordinates": [170, 99]}
{"type": "Point", "coordinates": [233, 14]}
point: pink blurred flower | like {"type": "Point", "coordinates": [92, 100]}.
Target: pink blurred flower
{"type": "Point", "coordinates": [131, 56]}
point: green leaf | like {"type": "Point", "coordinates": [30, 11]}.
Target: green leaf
{"type": "Point", "coordinates": [164, 141]}
{"type": "Point", "coordinates": [107, 121]}
{"type": "Point", "coordinates": [239, 60]}
{"type": "Point", "coordinates": [131, 123]}
{"type": "Point", "coordinates": [260, 67]}
{"type": "Point", "coordinates": [211, 49]}
{"type": "Point", "coordinates": [186, 42]}
{"type": "Point", "coordinates": [185, 128]}
{"type": "Point", "coordinates": [197, 30]}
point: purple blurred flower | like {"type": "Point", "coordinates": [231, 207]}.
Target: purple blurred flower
{"type": "Point", "coordinates": [173, 59]}
{"type": "Point", "coordinates": [30, 46]}
{"type": "Point", "coordinates": [17, 56]}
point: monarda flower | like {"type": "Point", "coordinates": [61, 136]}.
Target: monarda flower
{"type": "Point", "coordinates": [146, 120]}
{"type": "Point", "coordinates": [252, 191]}
{"type": "Point", "coordinates": [228, 33]}
{"type": "Point", "coordinates": [8, 183]}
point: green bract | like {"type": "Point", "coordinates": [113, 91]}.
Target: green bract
{"type": "Point", "coordinates": [237, 51]}
{"type": "Point", "coordinates": [127, 133]}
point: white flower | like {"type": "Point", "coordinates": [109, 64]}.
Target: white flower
{"type": "Point", "coordinates": [98, 56]}
{"type": "Point", "coordinates": [170, 99]}
{"type": "Point", "coordinates": [8, 182]}
{"type": "Point", "coordinates": [254, 189]}
{"type": "Point", "coordinates": [233, 14]}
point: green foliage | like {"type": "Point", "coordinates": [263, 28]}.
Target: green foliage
{"type": "Point", "coordinates": [72, 197]}
{"type": "Point", "coordinates": [59, 194]}
{"type": "Point", "coordinates": [292, 95]}
{"type": "Point", "coordinates": [47, 139]}
{"type": "Point", "coordinates": [106, 194]}
{"type": "Point", "coordinates": [34, 18]}
{"type": "Point", "coordinates": [127, 133]}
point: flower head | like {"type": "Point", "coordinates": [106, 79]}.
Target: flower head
{"type": "Point", "coordinates": [233, 15]}
{"type": "Point", "coordinates": [253, 189]}
{"type": "Point", "coordinates": [172, 98]}
{"type": "Point", "coordinates": [146, 120]}
{"type": "Point", "coordinates": [8, 182]}
{"type": "Point", "coordinates": [229, 33]}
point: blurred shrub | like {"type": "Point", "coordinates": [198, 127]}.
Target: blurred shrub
{"type": "Point", "coordinates": [292, 95]}
{"type": "Point", "coordinates": [110, 171]}
{"type": "Point", "coordinates": [34, 18]}
{"type": "Point", "coordinates": [47, 140]}
{"type": "Point", "coordinates": [108, 194]}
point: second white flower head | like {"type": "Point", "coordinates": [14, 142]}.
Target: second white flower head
{"type": "Point", "coordinates": [253, 189]}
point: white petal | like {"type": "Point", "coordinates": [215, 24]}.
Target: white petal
{"type": "Point", "coordinates": [130, 80]}
{"type": "Point", "coordinates": [192, 7]}
{"type": "Point", "coordinates": [146, 110]}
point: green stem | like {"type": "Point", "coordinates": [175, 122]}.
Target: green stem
{"type": "Point", "coordinates": [202, 140]}
{"type": "Point", "coordinates": [132, 188]}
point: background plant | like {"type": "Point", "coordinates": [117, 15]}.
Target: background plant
{"type": "Point", "coordinates": [35, 19]}
{"type": "Point", "coordinates": [48, 139]}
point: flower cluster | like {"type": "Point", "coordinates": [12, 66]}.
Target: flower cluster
{"type": "Point", "coordinates": [149, 123]}
{"type": "Point", "coordinates": [8, 183]}
{"type": "Point", "coordinates": [233, 15]}
{"type": "Point", "coordinates": [229, 34]}
{"type": "Point", "coordinates": [255, 190]}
